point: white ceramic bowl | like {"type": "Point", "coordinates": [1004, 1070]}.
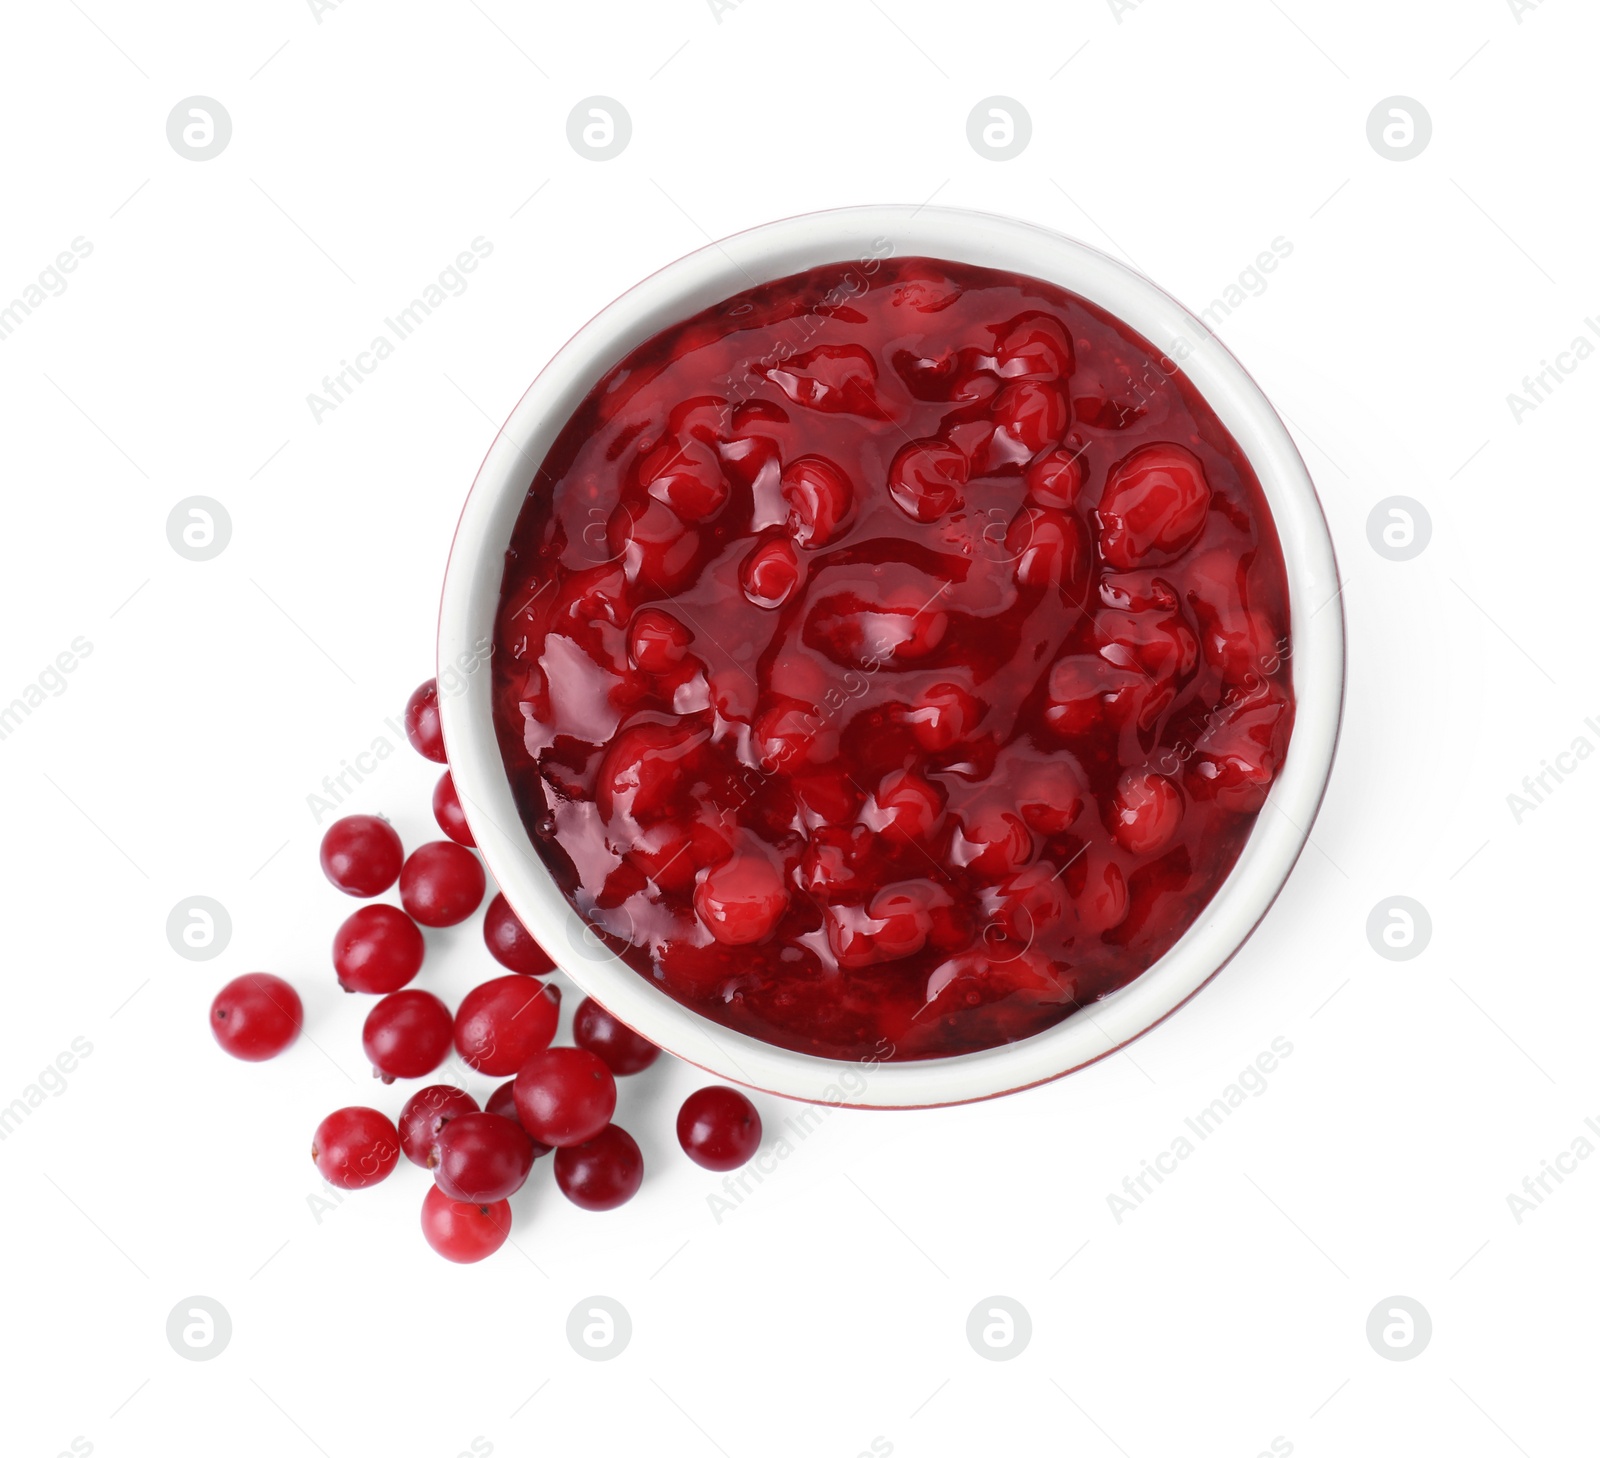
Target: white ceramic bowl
{"type": "Point", "coordinates": [472, 595]}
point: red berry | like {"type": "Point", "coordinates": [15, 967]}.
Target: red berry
{"type": "Point", "coordinates": [1035, 347]}
{"type": "Point", "coordinates": [943, 715]}
{"type": "Point", "coordinates": [602, 1172]}
{"type": "Point", "coordinates": [742, 900]}
{"type": "Point", "coordinates": [1154, 507]}
{"type": "Point", "coordinates": [257, 1016]}
{"type": "Point", "coordinates": [1056, 478]}
{"type": "Point", "coordinates": [821, 500]}
{"type": "Point", "coordinates": [991, 841]}
{"type": "Point", "coordinates": [377, 949]}
{"type": "Point", "coordinates": [1029, 417]}
{"type": "Point", "coordinates": [503, 1101]}
{"type": "Point", "coordinates": [657, 641]}
{"type": "Point", "coordinates": [461, 1230]}
{"type": "Point", "coordinates": [907, 807]}
{"type": "Point", "coordinates": [441, 883]}
{"type": "Point", "coordinates": [565, 1096]}
{"type": "Point", "coordinates": [687, 476]}
{"type": "Point", "coordinates": [621, 1049]}
{"type": "Point", "coordinates": [926, 477]}
{"type": "Point", "coordinates": [770, 574]}
{"type": "Point", "coordinates": [1049, 795]}
{"type": "Point", "coordinates": [426, 1112]}
{"type": "Point", "coordinates": [361, 855]}
{"type": "Point", "coordinates": [502, 1023]}
{"type": "Point", "coordinates": [719, 1127]}
{"type": "Point", "coordinates": [448, 812]}
{"type": "Point", "coordinates": [1146, 811]}
{"type": "Point", "coordinates": [510, 943]}
{"type": "Point", "coordinates": [407, 1035]}
{"type": "Point", "coordinates": [354, 1148]}
{"type": "Point", "coordinates": [422, 722]}
{"type": "Point", "coordinates": [481, 1157]}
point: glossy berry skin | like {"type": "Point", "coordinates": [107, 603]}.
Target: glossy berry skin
{"type": "Point", "coordinates": [257, 1016]}
{"type": "Point", "coordinates": [481, 1157]}
{"type": "Point", "coordinates": [565, 1096]}
{"type": "Point", "coordinates": [621, 1049]}
{"type": "Point", "coordinates": [462, 1231]}
{"type": "Point", "coordinates": [361, 855]}
{"type": "Point", "coordinates": [448, 812]}
{"type": "Point", "coordinates": [422, 722]}
{"type": "Point", "coordinates": [503, 1101]}
{"type": "Point", "coordinates": [441, 883]}
{"type": "Point", "coordinates": [407, 1035]}
{"type": "Point", "coordinates": [602, 1172]}
{"type": "Point", "coordinates": [425, 1114]}
{"type": "Point", "coordinates": [510, 943]}
{"type": "Point", "coordinates": [719, 1128]}
{"type": "Point", "coordinates": [501, 1024]}
{"type": "Point", "coordinates": [377, 949]}
{"type": "Point", "coordinates": [355, 1147]}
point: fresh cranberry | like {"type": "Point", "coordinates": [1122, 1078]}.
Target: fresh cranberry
{"type": "Point", "coordinates": [377, 949]}
{"type": "Point", "coordinates": [601, 1173]}
{"type": "Point", "coordinates": [1154, 506]}
{"type": "Point", "coordinates": [425, 1113]}
{"type": "Point", "coordinates": [481, 1157]}
{"type": "Point", "coordinates": [257, 1016]}
{"type": "Point", "coordinates": [422, 722]}
{"type": "Point", "coordinates": [621, 1049]}
{"type": "Point", "coordinates": [565, 1096]}
{"type": "Point", "coordinates": [742, 900]}
{"type": "Point", "coordinates": [503, 1101]}
{"type": "Point", "coordinates": [462, 1230]}
{"type": "Point", "coordinates": [510, 943]}
{"type": "Point", "coordinates": [361, 855]}
{"type": "Point", "coordinates": [354, 1148]}
{"type": "Point", "coordinates": [407, 1035]}
{"type": "Point", "coordinates": [448, 812]}
{"type": "Point", "coordinates": [719, 1128]}
{"type": "Point", "coordinates": [441, 883]}
{"type": "Point", "coordinates": [502, 1023]}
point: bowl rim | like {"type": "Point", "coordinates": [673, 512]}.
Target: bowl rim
{"type": "Point", "coordinates": [853, 237]}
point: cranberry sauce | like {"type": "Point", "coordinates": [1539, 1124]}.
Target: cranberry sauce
{"type": "Point", "coordinates": [893, 658]}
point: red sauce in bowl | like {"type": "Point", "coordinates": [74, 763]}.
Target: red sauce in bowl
{"type": "Point", "coordinates": [893, 658]}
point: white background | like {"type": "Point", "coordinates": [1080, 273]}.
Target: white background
{"type": "Point", "coordinates": [373, 144]}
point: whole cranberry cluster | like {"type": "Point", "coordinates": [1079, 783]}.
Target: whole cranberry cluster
{"type": "Point", "coordinates": [555, 1100]}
